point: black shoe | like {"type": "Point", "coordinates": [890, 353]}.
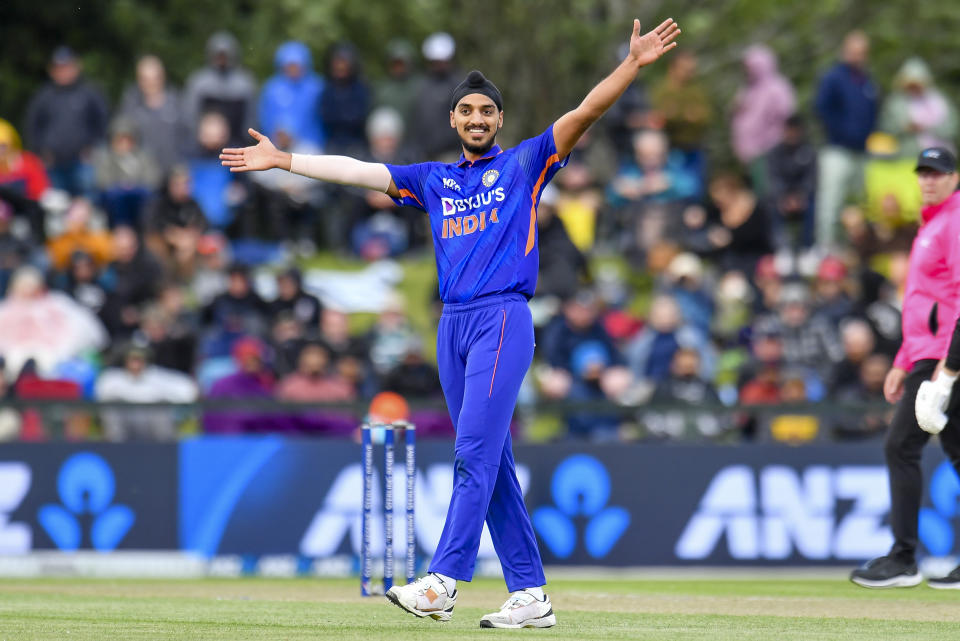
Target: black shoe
{"type": "Point", "coordinates": [949, 582]}
{"type": "Point", "coordinates": [888, 572]}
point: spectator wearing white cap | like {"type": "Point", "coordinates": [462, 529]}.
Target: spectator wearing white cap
{"type": "Point", "coordinates": [433, 103]}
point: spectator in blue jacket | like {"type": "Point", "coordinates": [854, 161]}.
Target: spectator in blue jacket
{"type": "Point", "coordinates": [651, 351]}
{"type": "Point", "coordinates": [654, 175]}
{"type": "Point", "coordinates": [218, 191]}
{"type": "Point", "coordinates": [847, 105]}
{"type": "Point", "coordinates": [345, 103]}
{"type": "Point", "coordinates": [291, 97]}
{"type": "Point", "coordinates": [648, 192]}
{"type": "Point", "coordinates": [580, 353]}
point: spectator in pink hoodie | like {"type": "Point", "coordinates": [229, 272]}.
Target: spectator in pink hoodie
{"type": "Point", "coordinates": [760, 111]}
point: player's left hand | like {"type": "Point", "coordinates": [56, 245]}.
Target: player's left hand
{"type": "Point", "coordinates": [648, 47]}
{"type": "Point", "coordinates": [931, 404]}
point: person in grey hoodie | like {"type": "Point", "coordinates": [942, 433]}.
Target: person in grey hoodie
{"type": "Point", "coordinates": [222, 86]}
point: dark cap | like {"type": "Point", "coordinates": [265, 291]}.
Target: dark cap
{"type": "Point", "coordinates": [62, 55]}
{"type": "Point", "coordinates": [238, 269]}
{"type": "Point", "coordinates": [938, 159]}
{"type": "Point", "coordinates": [475, 82]}
{"type": "Point", "coordinates": [293, 273]}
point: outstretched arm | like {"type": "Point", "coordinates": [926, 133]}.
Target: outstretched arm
{"type": "Point", "coordinates": [336, 169]}
{"type": "Point", "coordinates": [644, 49]}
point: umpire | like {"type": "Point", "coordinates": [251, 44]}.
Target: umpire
{"type": "Point", "coordinates": [930, 309]}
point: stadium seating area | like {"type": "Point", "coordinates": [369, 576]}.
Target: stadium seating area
{"type": "Point", "coordinates": [133, 267]}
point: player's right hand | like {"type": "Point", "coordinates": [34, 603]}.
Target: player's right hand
{"type": "Point", "coordinates": [893, 384]}
{"type": "Point", "coordinates": [263, 155]}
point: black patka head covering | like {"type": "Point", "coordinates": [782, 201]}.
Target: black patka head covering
{"type": "Point", "coordinates": [476, 82]}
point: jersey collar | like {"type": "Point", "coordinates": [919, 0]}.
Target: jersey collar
{"type": "Point", "coordinates": [928, 213]}
{"type": "Point", "coordinates": [494, 151]}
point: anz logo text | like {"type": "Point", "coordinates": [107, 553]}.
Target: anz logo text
{"type": "Point", "coordinates": [775, 512]}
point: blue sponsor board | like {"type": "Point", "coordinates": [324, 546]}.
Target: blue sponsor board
{"type": "Point", "coordinates": [595, 505]}
{"type": "Point", "coordinates": [616, 505]}
{"type": "Point", "coordinates": [255, 495]}
{"type": "Point", "coordinates": [88, 496]}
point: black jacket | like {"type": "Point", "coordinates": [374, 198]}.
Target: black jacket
{"type": "Point", "coordinates": [64, 121]}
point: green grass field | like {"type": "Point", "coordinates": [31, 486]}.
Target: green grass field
{"type": "Point", "coordinates": [290, 609]}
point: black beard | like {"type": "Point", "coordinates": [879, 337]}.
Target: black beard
{"type": "Point", "coordinates": [478, 150]}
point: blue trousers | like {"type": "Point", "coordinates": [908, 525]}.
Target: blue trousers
{"type": "Point", "coordinates": [484, 349]}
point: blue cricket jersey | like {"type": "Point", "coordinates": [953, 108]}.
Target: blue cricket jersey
{"type": "Point", "coordinates": [483, 216]}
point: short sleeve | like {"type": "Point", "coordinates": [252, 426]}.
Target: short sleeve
{"type": "Point", "coordinates": [410, 180]}
{"type": "Point", "coordinates": [539, 159]}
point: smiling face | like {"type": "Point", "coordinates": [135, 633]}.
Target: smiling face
{"type": "Point", "coordinates": [477, 120]}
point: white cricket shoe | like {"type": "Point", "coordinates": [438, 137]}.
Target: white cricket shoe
{"type": "Point", "coordinates": [425, 597]}
{"type": "Point", "coordinates": [522, 610]}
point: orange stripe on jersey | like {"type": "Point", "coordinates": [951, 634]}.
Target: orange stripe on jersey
{"type": "Point", "coordinates": [406, 193]}
{"type": "Point", "coordinates": [533, 205]}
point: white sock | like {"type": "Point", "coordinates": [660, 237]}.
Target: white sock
{"type": "Point", "coordinates": [537, 593]}
{"type": "Point", "coordinates": [449, 584]}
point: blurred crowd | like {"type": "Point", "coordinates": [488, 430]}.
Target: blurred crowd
{"type": "Point", "coordinates": [133, 267]}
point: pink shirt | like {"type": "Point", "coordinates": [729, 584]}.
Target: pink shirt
{"type": "Point", "coordinates": [933, 279]}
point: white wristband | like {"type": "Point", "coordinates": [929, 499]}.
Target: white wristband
{"type": "Point", "coordinates": [945, 380]}
{"type": "Point", "coordinates": [342, 170]}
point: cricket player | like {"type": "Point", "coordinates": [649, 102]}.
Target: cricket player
{"type": "Point", "coordinates": [931, 306]}
{"type": "Point", "coordinates": [482, 213]}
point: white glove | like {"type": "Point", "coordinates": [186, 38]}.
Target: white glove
{"type": "Point", "coordinates": [931, 404]}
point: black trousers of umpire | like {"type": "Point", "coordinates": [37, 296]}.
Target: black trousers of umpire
{"type": "Point", "coordinates": [903, 447]}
